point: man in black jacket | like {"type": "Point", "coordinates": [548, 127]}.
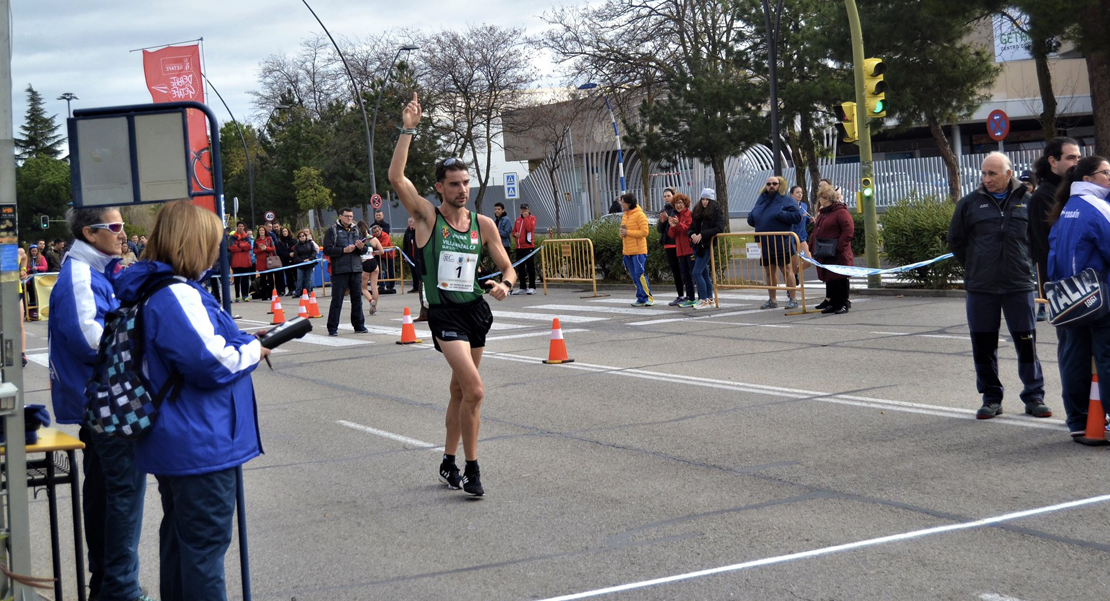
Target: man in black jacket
{"type": "Point", "coordinates": [1060, 154]}
{"type": "Point", "coordinates": [989, 236]}
{"type": "Point", "coordinates": [343, 244]}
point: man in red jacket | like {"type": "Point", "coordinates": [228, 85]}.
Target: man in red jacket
{"type": "Point", "coordinates": [525, 233]}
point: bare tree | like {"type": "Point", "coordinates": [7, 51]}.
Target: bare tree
{"type": "Point", "coordinates": [478, 74]}
{"type": "Point", "coordinates": [545, 130]}
{"type": "Point", "coordinates": [313, 78]}
{"type": "Point", "coordinates": [625, 55]}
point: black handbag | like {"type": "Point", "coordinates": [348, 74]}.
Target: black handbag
{"type": "Point", "coordinates": [824, 249]}
{"type": "Point", "coordinates": [1077, 301]}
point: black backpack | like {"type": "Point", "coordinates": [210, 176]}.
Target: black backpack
{"type": "Point", "coordinates": [120, 398]}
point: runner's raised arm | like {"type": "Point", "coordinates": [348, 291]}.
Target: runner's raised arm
{"type": "Point", "coordinates": [423, 212]}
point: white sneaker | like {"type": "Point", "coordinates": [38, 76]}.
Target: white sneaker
{"type": "Point", "coordinates": [530, 291]}
{"type": "Point", "coordinates": [518, 292]}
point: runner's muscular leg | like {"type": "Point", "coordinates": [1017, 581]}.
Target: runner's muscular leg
{"type": "Point", "coordinates": [467, 393]}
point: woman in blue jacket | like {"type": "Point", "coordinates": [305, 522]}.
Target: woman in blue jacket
{"type": "Point", "coordinates": [211, 427]}
{"type": "Point", "coordinates": [1079, 239]}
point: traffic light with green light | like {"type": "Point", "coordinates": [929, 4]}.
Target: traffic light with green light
{"type": "Point", "coordinates": [874, 87]}
{"type": "Point", "coordinates": [44, 222]}
{"type": "Point", "coordinates": [867, 188]}
{"type": "Point", "coordinates": [848, 126]}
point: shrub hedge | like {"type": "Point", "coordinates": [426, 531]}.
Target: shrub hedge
{"type": "Point", "coordinates": [916, 229]}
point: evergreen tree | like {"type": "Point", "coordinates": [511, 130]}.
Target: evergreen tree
{"type": "Point", "coordinates": [40, 133]}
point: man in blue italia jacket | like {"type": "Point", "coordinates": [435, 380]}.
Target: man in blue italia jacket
{"type": "Point", "coordinates": [114, 486]}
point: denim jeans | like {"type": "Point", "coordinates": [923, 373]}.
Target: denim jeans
{"type": "Point", "coordinates": [197, 514]}
{"type": "Point", "coordinates": [635, 266]}
{"type": "Point", "coordinates": [304, 279]}
{"type": "Point", "coordinates": [113, 507]}
{"type": "Point", "coordinates": [702, 278]}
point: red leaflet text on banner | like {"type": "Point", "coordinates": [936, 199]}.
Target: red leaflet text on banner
{"type": "Point", "coordinates": [173, 74]}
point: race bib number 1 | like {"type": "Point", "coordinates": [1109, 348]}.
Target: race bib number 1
{"type": "Point", "coordinates": [456, 271]}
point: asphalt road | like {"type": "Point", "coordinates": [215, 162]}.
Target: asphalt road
{"type": "Point", "coordinates": [730, 453]}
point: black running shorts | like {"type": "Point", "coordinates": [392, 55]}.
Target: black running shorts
{"type": "Point", "coordinates": [470, 322]}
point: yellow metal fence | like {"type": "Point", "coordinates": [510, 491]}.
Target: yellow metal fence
{"type": "Point", "coordinates": [750, 261]}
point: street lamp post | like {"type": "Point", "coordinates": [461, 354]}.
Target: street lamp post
{"type": "Point", "coordinates": [252, 165]}
{"type": "Point", "coordinates": [378, 104]}
{"type": "Point", "coordinates": [772, 63]}
{"type": "Point", "coordinates": [358, 96]}
{"type": "Point", "coordinates": [68, 97]}
{"type": "Point", "coordinates": [617, 134]}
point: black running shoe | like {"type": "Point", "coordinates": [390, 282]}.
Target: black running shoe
{"type": "Point", "coordinates": [472, 483]}
{"type": "Point", "coordinates": [449, 475]}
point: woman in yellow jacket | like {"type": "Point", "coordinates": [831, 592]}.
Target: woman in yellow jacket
{"type": "Point", "coordinates": [634, 232]}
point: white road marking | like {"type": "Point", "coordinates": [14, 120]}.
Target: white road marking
{"type": "Point", "coordinates": [495, 326]}
{"type": "Point", "coordinates": [794, 393]}
{"type": "Point", "coordinates": [532, 335]}
{"type": "Point", "coordinates": [882, 540]}
{"type": "Point", "coordinates": [696, 316]}
{"type": "Point", "coordinates": [996, 597]}
{"type": "Point", "coordinates": [317, 339]}
{"type": "Point", "coordinates": [402, 439]}
{"type": "Point", "coordinates": [545, 317]}
{"type": "Point", "coordinates": [42, 359]}
{"type": "Point", "coordinates": [591, 309]}
{"type": "Point", "coordinates": [390, 331]}
{"type": "Point", "coordinates": [626, 302]}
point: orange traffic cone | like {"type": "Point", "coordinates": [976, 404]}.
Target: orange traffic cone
{"type": "Point", "coordinates": [558, 352]}
{"type": "Point", "coordinates": [279, 314]}
{"type": "Point", "coordinates": [302, 310]}
{"type": "Point", "coordinates": [408, 331]}
{"type": "Point", "coordinates": [273, 298]}
{"type": "Point", "coordinates": [313, 308]}
{"type": "Point", "coordinates": [1095, 436]}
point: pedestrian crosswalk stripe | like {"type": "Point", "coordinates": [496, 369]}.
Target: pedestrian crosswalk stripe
{"type": "Point", "coordinates": [545, 317]}
{"type": "Point", "coordinates": [595, 309]}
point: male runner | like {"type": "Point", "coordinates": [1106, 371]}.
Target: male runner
{"type": "Point", "coordinates": [449, 240]}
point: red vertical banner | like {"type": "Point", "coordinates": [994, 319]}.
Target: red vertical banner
{"type": "Point", "coordinates": [173, 74]}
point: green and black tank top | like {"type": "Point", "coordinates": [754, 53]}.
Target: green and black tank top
{"type": "Point", "coordinates": [450, 260]}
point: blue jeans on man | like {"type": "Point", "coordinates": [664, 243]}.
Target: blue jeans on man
{"type": "Point", "coordinates": [113, 506]}
{"type": "Point", "coordinates": [635, 266]}
{"type": "Point", "coordinates": [195, 534]}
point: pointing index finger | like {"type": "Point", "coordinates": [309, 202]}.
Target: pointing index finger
{"type": "Point", "coordinates": [414, 99]}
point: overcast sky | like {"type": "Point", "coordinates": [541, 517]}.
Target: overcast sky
{"type": "Point", "coordinates": [82, 46]}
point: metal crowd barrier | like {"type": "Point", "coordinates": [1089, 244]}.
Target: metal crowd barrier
{"type": "Point", "coordinates": [741, 262]}
{"type": "Point", "coordinates": [568, 260]}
